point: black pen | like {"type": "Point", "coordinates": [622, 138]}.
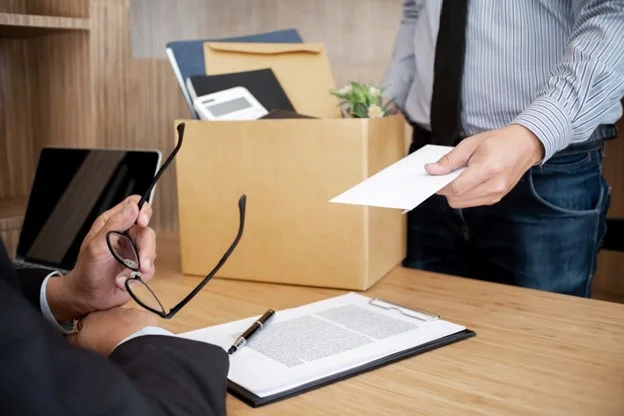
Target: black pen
{"type": "Point", "coordinates": [255, 327]}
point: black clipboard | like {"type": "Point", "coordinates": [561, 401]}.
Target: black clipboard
{"type": "Point", "coordinates": [253, 400]}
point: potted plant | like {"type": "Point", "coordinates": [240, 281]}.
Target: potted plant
{"type": "Point", "coordinates": [359, 100]}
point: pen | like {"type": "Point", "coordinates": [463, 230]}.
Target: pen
{"type": "Point", "coordinates": [249, 332]}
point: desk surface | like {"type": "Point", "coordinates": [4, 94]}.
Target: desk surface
{"type": "Point", "coordinates": [534, 353]}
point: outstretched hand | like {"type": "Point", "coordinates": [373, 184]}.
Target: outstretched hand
{"type": "Point", "coordinates": [495, 161]}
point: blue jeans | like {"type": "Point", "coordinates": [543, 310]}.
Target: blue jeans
{"type": "Point", "coordinates": [545, 234]}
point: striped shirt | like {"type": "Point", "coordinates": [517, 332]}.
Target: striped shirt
{"type": "Point", "coordinates": [553, 66]}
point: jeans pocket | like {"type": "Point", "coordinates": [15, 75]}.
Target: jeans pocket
{"type": "Point", "coordinates": [568, 162]}
{"type": "Point", "coordinates": [575, 188]}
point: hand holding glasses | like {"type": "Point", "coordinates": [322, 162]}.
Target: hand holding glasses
{"type": "Point", "coordinates": [124, 251]}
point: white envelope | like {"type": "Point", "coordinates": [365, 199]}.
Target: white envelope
{"type": "Point", "coordinates": [403, 185]}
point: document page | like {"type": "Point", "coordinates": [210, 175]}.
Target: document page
{"type": "Point", "coordinates": [313, 341]}
{"type": "Point", "coordinates": [403, 185]}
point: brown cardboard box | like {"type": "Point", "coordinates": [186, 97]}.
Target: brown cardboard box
{"type": "Point", "coordinates": [289, 169]}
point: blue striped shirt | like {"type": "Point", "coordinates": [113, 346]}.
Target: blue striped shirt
{"type": "Point", "coordinates": [553, 66]}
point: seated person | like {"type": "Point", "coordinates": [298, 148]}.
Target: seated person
{"type": "Point", "coordinates": [119, 362]}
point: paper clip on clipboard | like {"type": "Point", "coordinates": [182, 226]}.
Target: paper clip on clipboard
{"type": "Point", "coordinates": [420, 315]}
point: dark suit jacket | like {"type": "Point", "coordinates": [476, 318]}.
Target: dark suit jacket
{"type": "Point", "coordinates": [42, 374]}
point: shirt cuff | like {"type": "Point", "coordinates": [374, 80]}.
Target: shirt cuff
{"type": "Point", "coordinates": [549, 122]}
{"type": "Point", "coordinates": [65, 327]}
{"type": "Point", "coordinates": [148, 330]}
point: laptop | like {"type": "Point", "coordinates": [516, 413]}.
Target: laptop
{"type": "Point", "coordinates": [71, 188]}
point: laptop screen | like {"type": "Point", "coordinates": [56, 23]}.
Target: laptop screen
{"type": "Point", "coordinates": [71, 188]}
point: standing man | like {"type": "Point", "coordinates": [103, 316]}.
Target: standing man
{"type": "Point", "coordinates": [527, 92]}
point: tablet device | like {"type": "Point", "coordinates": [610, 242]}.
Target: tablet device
{"type": "Point", "coordinates": [71, 188]}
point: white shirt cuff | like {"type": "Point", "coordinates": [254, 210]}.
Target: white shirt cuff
{"type": "Point", "coordinates": [148, 330]}
{"type": "Point", "coordinates": [65, 327]}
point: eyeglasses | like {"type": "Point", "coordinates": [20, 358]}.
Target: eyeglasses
{"type": "Point", "coordinates": [124, 250]}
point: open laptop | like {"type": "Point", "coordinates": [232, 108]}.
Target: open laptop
{"type": "Point", "coordinates": [71, 188]}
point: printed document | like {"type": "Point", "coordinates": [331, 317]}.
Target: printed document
{"type": "Point", "coordinates": [310, 342]}
{"type": "Point", "coordinates": [403, 185]}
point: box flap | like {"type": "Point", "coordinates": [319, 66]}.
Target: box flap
{"type": "Point", "coordinates": [302, 69]}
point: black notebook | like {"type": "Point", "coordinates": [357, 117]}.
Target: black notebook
{"type": "Point", "coordinates": [318, 344]}
{"type": "Point", "coordinates": [284, 114]}
{"type": "Point", "coordinates": [262, 84]}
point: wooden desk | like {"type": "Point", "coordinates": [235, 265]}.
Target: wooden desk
{"type": "Point", "coordinates": [535, 353]}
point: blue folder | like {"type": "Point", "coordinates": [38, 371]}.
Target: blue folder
{"type": "Point", "coordinates": [187, 56]}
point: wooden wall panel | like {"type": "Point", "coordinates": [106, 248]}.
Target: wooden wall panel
{"type": "Point", "coordinates": [614, 171]}
{"type": "Point", "coordinates": [609, 281]}
{"type": "Point", "coordinates": [69, 8]}
{"type": "Point", "coordinates": [136, 100]}
{"type": "Point", "coordinates": [358, 34]}
{"type": "Point", "coordinates": [62, 87]}
{"type": "Point", "coordinates": [156, 104]}
{"type": "Point", "coordinates": [16, 128]}
{"type": "Point", "coordinates": [13, 6]}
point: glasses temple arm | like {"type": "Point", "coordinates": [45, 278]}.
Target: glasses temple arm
{"type": "Point", "coordinates": [164, 166]}
{"type": "Point", "coordinates": [180, 305]}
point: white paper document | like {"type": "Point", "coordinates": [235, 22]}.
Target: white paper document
{"type": "Point", "coordinates": [301, 345]}
{"type": "Point", "coordinates": [403, 185]}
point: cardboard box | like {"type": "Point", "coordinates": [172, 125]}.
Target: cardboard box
{"type": "Point", "coordinates": [289, 169]}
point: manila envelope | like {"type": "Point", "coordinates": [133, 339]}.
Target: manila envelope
{"type": "Point", "coordinates": [302, 69]}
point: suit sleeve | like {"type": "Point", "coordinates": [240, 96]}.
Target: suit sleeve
{"type": "Point", "coordinates": [29, 283]}
{"type": "Point", "coordinates": [199, 370]}
{"type": "Point", "coordinates": [147, 375]}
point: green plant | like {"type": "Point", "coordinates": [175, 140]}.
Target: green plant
{"type": "Point", "coordinates": [359, 100]}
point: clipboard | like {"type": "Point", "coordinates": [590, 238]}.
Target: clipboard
{"type": "Point", "coordinates": [421, 316]}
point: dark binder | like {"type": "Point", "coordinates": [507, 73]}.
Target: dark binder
{"type": "Point", "coordinates": [262, 84]}
{"type": "Point", "coordinates": [255, 401]}
{"type": "Point", "coordinates": [284, 114]}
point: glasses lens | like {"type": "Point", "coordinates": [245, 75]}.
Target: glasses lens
{"type": "Point", "coordinates": [144, 295]}
{"type": "Point", "coordinates": [124, 250]}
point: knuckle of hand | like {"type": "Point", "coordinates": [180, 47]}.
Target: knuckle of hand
{"type": "Point", "coordinates": [494, 169]}
{"type": "Point", "coordinates": [91, 250]}
{"type": "Point", "coordinates": [456, 189]}
{"type": "Point", "coordinates": [500, 186]}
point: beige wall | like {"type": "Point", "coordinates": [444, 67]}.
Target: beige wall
{"type": "Point", "coordinates": [358, 34]}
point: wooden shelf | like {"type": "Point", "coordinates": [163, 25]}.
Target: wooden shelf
{"type": "Point", "coordinates": [13, 25]}
{"type": "Point", "coordinates": [12, 212]}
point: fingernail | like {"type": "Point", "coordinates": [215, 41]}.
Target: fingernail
{"type": "Point", "coordinates": [144, 217]}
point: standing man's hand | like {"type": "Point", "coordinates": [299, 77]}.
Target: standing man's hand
{"type": "Point", "coordinates": [495, 161]}
{"type": "Point", "coordinates": [97, 282]}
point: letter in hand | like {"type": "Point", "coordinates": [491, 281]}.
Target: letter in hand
{"type": "Point", "coordinates": [102, 331]}
{"type": "Point", "coordinates": [97, 280]}
{"type": "Point", "coordinates": [495, 161]}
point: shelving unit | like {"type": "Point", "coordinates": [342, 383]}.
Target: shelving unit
{"type": "Point", "coordinates": [45, 94]}
{"type": "Point", "coordinates": [15, 25]}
